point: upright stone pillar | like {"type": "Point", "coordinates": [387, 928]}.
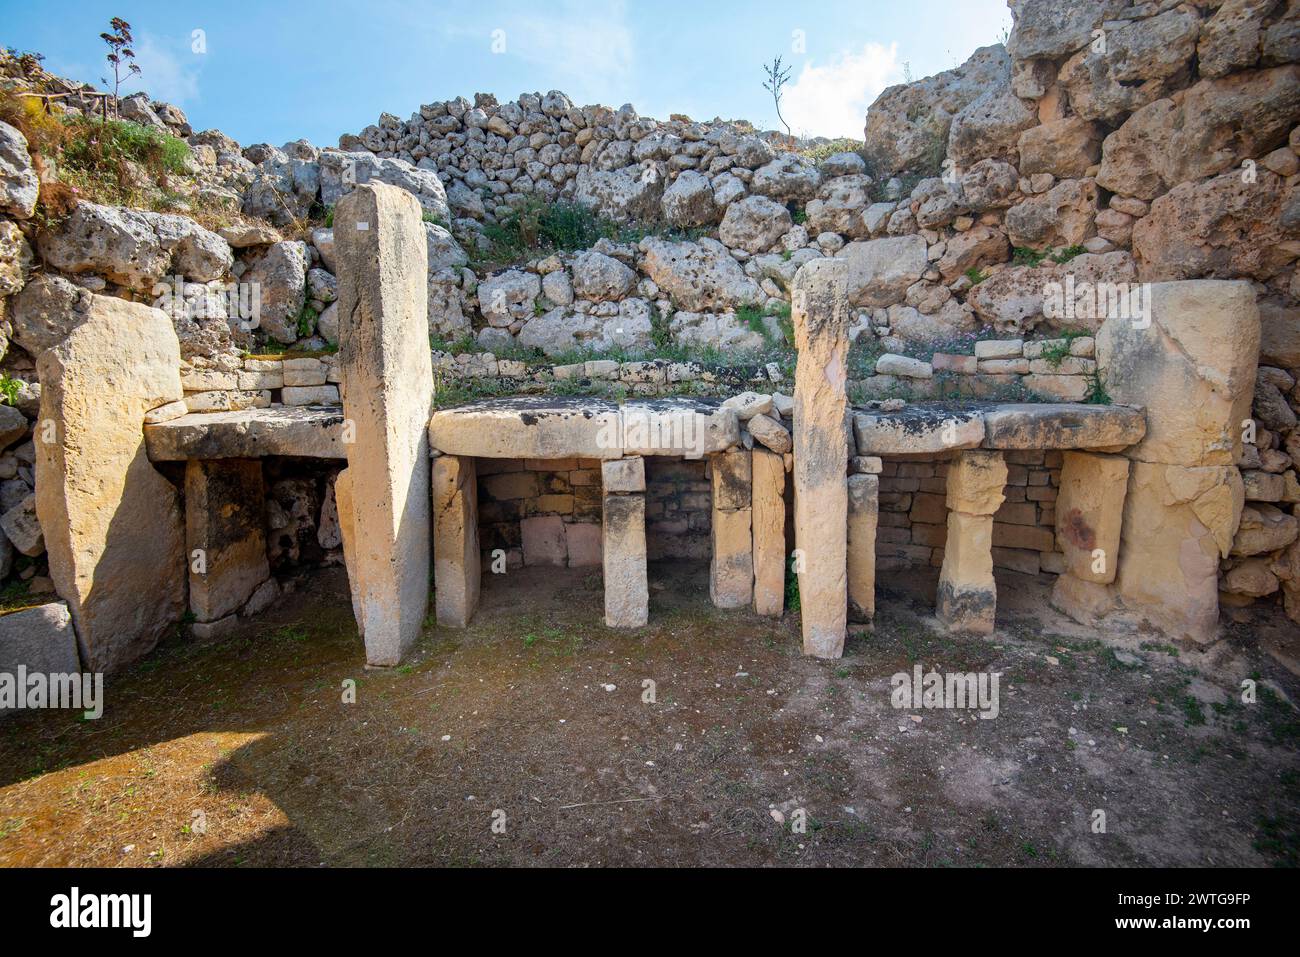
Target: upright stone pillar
{"type": "Point", "coordinates": [731, 570]}
{"type": "Point", "coordinates": [347, 531]}
{"type": "Point", "coordinates": [457, 575]}
{"type": "Point", "coordinates": [627, 592]}
{"type": "Point", "coordinates": [864, 504]}
{"type": "Point", "coordinates": [967, 593]}
{"type": "Point", "coordinates": [768, 518]}
{"type": "Point", "coordinates": [113, 528]}
{"type": "Point", "coordinates": [821, 452]}
{"type": "Point", "coordinates": [225, 534]}
{"type": "Point", "coordinates": [387, 396]}
{"type": "Point", "coordinates": [1190, 361]}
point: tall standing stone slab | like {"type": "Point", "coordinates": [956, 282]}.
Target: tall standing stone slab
{"type": "Point", "coordinates": [731, 570]}
{"type": "Point", "coordinates": [821, 452]}
{"type": "Point", "coordinates": [864, 516]}
{"type": "Point", "coordinates": [387, 375]}
{"type": "Point", "coordinates": [967, 598]}
{"type": "Point", "coordinates": [457, 573]}
{"type": "Point", "coordinates": [348, 533]}
{"type": "Point", "coordinates": [627, 592]}
{"type": "Point", "coordinates": [1090, 513]}
{"type": "Point", "coordinates": [40, 639]}
{"type": "Point", "coordinates": [225, 534]}
{"type": "Point", "coordinates": [768, 518]}
{"type": "Point", "coordinates": [113, 526]}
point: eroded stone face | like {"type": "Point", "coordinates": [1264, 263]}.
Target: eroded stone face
{"type": "Point", "coordinates": [864, 502]}
{"type": "Point", "coordinates": [1089, 514]}
{"type": "Point", "coordinates": [107, 515]}
{"type": "Point", "coordinates": [627, 595]}
{"type": "Point", "coordinates": [768, 517]}
{"type": "Point", "coordinates": [224, 523]}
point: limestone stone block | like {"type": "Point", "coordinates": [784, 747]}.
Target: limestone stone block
{"type": "Point", "coordinates": [917, 430]}
{"type": "Point", "coordinates": [967, 593]}
{"type": "Point", "coordinates": [627, 593]}
{"type": "Point", "coordinates": [975, 482]}
{"type": "Point", "coordinates": [456, 570]}
{"type": "Point", "coordinates": [348, 533]}
{"type": "Point", "coordinates": [732, 476]}
{"type": "Point", "coordinates": [821, 452]}
{"type": "Point", "coordinates": [544, 540]}
{"type": "Point", "coordinates": [623, 475]}
{"type": "Point", "coordinates": [1192, 368]}
{"type": "Point", "coordinates": [113, 527]}
{"type": "Point", "coordinates": [1049, 425]}
{"type": "Point", "coordinates": [40, 639]}
{"type": "Point", "coordinates": [387, 377]}
{"type": "Point", "coordinates": [22, 528]}
{"type": "Point", "coordinates": [1090, 513]}
{"type": "Point", "coordinates": [582, 543]}
{"type": "Point", "coordinates": [768, 516]}
{"type": "Point", "coordinates": [731, 570]}
{"type": "Point", "coordinates": [225, 534]}
{"type": "Point", "coordinates": [1178, 522]}
{"type": "Point", "coordinates": [302, 432]}
{"type": "Point", "coordinates": [864, 495]}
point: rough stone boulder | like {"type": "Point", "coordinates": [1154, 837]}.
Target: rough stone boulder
{"type": "Point", "coordinates": [989, 128]}
{"type": "Point", "coordinates": [1193, 369]}
{"type": "Point", "coordinates": [601, 278]}
{"type": "Point", "coordinates": [1066, 148]}
{"type": "Point", "coordinates": [1222, 227]}
{"type": "Point", "coordinates": [1143, 60]}
{"type": "Point", "coordinates": [1016, 299]}
{"type": "Point", "coordinates": [18, 183]}
{"type": "Point", "coordinates": [788, 178]}
{"type": "Point", "coordinates": [113, 528]}
{"type": "Point", "coordinates": [699, 276]}
{"type": "Point", "coordinates": [754, 224]}
{"type": "Point", "coordinates": [1279, 342]}
{"type": "Point", "coordinates": [907, 126]}
{"type": "Point", "coordinates": [15, 258]}
{"type": "Point", "coordinates": [341, 173]}
{"type": "Point", "coordinates": [624, 194]}
{"type": "Point", "coordinates": [978, 246]}
{"type": "Point", "coordinates": [284, 190]}
{"type": "Point", "coordinates": [135, 248]}
{"type": "Point", "coordinates": [41, 639]}
{"type": "Point", "coordinates": [841, 205]}
{"type": "Point", "coordinates": [281, 275]}
{"type": "Point", "coordinates": [508, 296]}
{"type": "Point", "coordinates": [989, 184]}
{"type": "Point", "coordinates": [715, 330]}
{"type": "Point", "coordinates": [881, 270]}
{"type": "Point", "coordinates": [1230, 40]}
{"type": "Point", "coordinates": [1199, 132]}
{"type": "Point", "coordinates": [689, 201]}
{"type": "Point", "coordinates": [1063, 216]}
{"type": "Point", "coordinates": [48, 308]}
{"type": "Point", "coordinates": [562, 330]}
{"type": "Point", "coordinates": [1054, 30]}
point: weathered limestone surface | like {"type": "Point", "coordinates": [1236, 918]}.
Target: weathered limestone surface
{"type": "Point", "coordinates": [1089, 514]}
{"type": "Point", "coordinates": [113, 526]}
{"type": "Point", "coordinates": [918, 429]}
{"type": "Point", "coordinates": [247, 434]}
{"type": "Point", "coordinates": [551, 428]}
{"type": "Point", "coordinates": [769, 532]}
{"type": "Point", "coordinates": [821, 318]}
{"type": "Point", "coordinates": [457, 574]}
{"type": "Point", "coordinates": [387, 394]}
{"type": "Point", "coordinates": [224, 524]}
{"type": "Point", "coordinates": [41, 639]}
{"type": "Point", "coordinates": [1062, 426]}
{"type": "Point", "coordinates": [1193, 369]}
{"type": "Point", "coordinates": [967, 592]}
{"type": "Point", "coordinates": [864, 505]}
{"type": "Point", "coordinates": [348, 535]}
{"type": "Point", "coordinates": [731, 571]}
{"type": "Point", "coordinates": [1178, 523]}
{"type": "Point", "coordinates": [627, 593]}
{"type": "Point", "coordinates": [623, 475]}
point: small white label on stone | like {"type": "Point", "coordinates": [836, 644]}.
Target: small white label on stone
{"type": "Point", "coordinates": [362, 227]}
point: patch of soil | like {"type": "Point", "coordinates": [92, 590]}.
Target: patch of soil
{"type": "Point", "coordinates": [674, 744]}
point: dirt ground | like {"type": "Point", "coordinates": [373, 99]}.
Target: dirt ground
{"type": "Point", "coordinates": [242, 752]}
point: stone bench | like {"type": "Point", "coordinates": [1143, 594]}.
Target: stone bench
{"type": "Point", "coordinates": [1092, 484]}
{"type": "Point", "coordinates": [306, 431]}
{"type": "Point", "coordinates": [537, 428]}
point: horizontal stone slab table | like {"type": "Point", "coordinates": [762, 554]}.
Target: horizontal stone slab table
{"type": "Point", "coordinates": [1065, 425]}
{"type": "Point", "coordinates": [555, 428]}
{"type": "Point", "coordinates": [921, 428]}
{"type": "Point", "coordinates": [307, 431]}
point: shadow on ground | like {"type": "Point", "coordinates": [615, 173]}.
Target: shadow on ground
{"type": "Point", "coordinates": [242, 752]}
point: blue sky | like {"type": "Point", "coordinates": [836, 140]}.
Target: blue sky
{"type": "Point", "coordinates": [277, 72]}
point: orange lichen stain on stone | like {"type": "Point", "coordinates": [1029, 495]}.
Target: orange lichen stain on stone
{"type": "Point", "coordinates": [1078, 531]}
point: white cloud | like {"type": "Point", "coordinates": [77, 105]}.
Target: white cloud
{"type": "Point", "coordinates": [169, 70]}
{"type": "Point", "coordinates": [832, 100]}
